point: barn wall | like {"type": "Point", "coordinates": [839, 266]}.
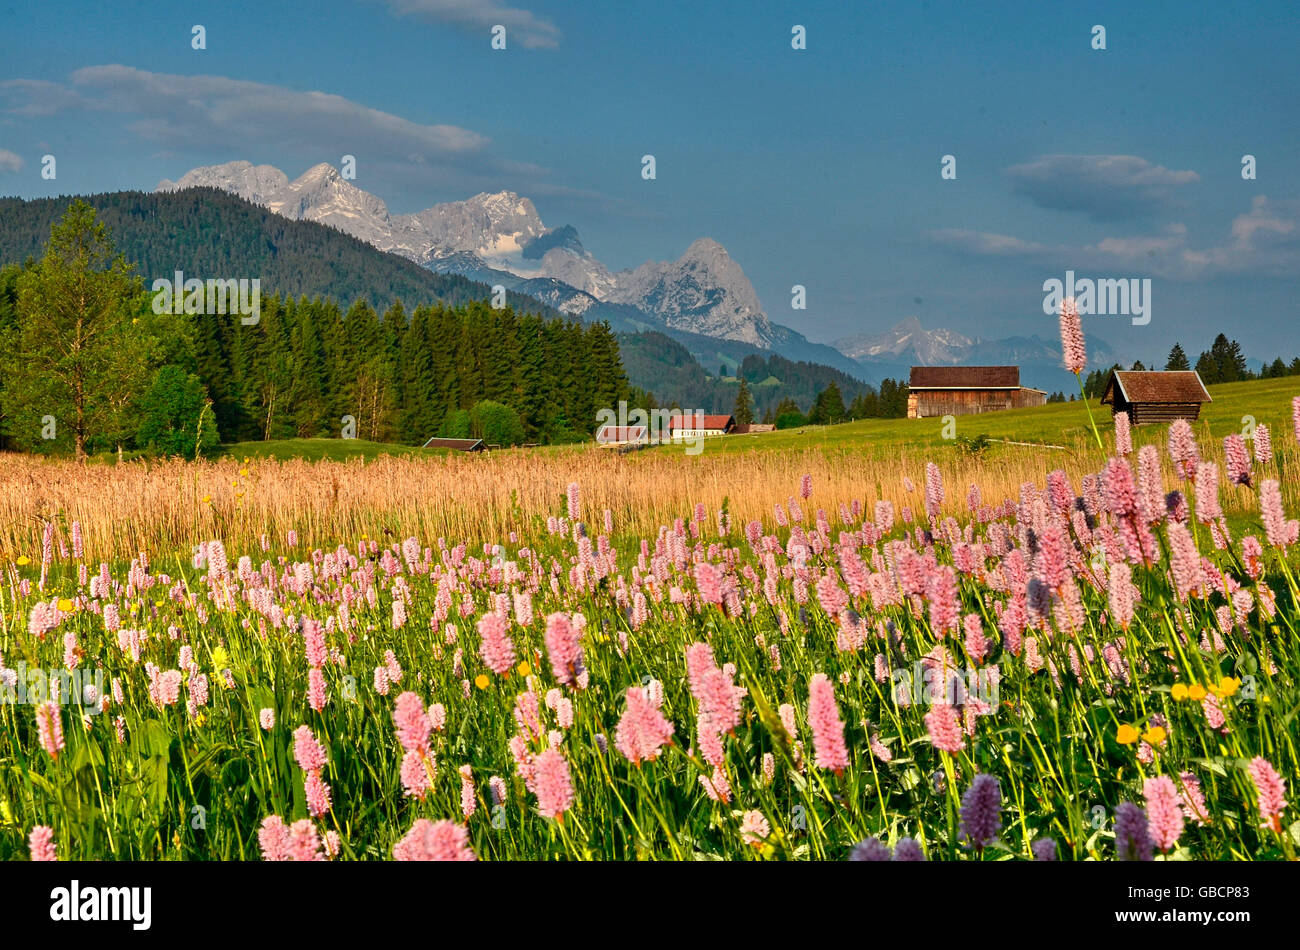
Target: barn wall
{"type": "Point", "coordinates": [1146, 413]}
{"type": "Point", "coordinates": [961, 402]}
{"type": "Point", "coordinates": [1025, 398]}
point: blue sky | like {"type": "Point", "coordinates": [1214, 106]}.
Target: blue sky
{"type": "Point", "coordinates": [818, 167]}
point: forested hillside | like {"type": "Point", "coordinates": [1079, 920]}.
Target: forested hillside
{"type": "Point", "coordinates": [87, 364]}
{"type": "Point", "coordinates": [208, 233]}
{"type": "Point", "coordinates": [405, 376]}
{"type": "Point", "coordinates": [660, 364]}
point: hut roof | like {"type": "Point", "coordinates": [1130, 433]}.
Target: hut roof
{"type": "Point", "coordinates": [1151, 386]}
{"type": "Point", "coordinates": [965, 377]}
{"type": "Point", "coordinates": [462, 445]}
{"type": "Point", "coordinates": [613, 433]}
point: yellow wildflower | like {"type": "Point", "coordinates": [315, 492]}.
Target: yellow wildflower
{"type": "Point", "coordinates": [1227, 686]}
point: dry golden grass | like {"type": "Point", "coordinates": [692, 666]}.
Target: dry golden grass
{"type": "Point", "coordinates": [166, 507]}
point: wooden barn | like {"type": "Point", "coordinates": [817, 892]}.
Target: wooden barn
{"type": "Point", "coordinates": [936, 391]}
{"type": "Point", "coordinates": [1153, 396]}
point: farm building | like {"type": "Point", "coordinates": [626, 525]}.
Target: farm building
{"type": "Point", "coordinates": [622, 435]}
{"type": "Point", "coordinates": [936, 391]}
{"type": "Point", "coordinates": [460, 445]}
{"type": "Point", "coordinates": [1153, 396]}
{"type": "Point", "coordinates": [752, 428]}
{"type": "Point", "coordinates": [692, 426]}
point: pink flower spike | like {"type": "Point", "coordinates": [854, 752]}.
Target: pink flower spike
{"type": "Point", "coordinates": [1164, 811]}
{"type": "Point", "coordinates": [1073, 351]}
{"type": "Point", "coordinates": [1271, 789]}
{"type": "Point", "coordinates": [40, 844]}
{"type": "Point", "coordinates": [554, 785]}
{"type": "Point", "coordinates": [434, 841]}
{"type": "Point", "coordinates": [827, 727]}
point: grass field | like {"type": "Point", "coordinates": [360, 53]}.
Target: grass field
{"type": "Point", "coordinates": [334, 450]}
{"type": "Point", "coordinates": [167, 507]}
{"type": "Point", "coordinates": [1063, 424]}
{"type": "Point", "coordinates": [745, 654]}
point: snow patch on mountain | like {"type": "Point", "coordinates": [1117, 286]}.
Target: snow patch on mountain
{"type": "Point", "coordinates": [703, 291]}
{"type": "Point", "coordinates": [931, 347]}
{"type": "Point", "coordinates": [491, 235]}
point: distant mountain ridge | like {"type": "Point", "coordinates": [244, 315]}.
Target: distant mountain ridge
{"type": "Point", "coordinates": [212, 233]}
{"type": "Point", "coordinates": [908, 344]}
{"type": "Point", "coordinates": [500, 239]}
{"type": "Point", "coordinates": [206, 232]}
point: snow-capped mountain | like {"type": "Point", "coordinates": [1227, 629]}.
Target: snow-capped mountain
{"type": "Point", "coordinates": [256, 183]}
{"type": "Point", "coordinates": [490, 235]}
{"type": "Point", "coordinates": [930, 347]}
{"type": "Point", "coordinates": [578, 268]}
{"type": "Point", "coordinates": [487, 225]}
{"type": "Point", "coordinates": [908, 340]}
{"type": "Point", "coordinates": [493, 226]}
{"type": "Point", "coordinates": [703, 291]}
{"type": "Point", "coordinates": [909, 344]}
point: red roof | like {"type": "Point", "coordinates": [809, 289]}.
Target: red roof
{"type": "Point", "coordinates": [965, 377]}
{"type": "Point", "coordinates": [691, 421]}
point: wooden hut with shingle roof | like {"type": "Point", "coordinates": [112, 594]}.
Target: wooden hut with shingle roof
{"type": "Point", "coordinates": [1154, 396]}
{"type": "Point", "coordinates": [935, 391]}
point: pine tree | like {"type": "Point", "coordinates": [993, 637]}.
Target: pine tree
{"type": "Point", "coordinates": [1177, 359]}
{"type": "Point", "coordinates": [744, 408]}
{"type": "Point", "coordinates": [828, 407]}
{"type": "Point", "coordinates": [272, 374]}
{"type": "Point", "coordinates": [1226, 354]}
{"type": "Point", "coordinates": [310, 394]}
{"type": "Point", "coordinates": [422, 409]}
{"type": "Point", "coordinates": [530, 372]}
{"type": "Point", "coordinates": [1208, 369]}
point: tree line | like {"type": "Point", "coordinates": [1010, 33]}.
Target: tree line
{"type": "Point", "coordinates": [87, 366]}
{"type": "Point", "coordinates": [1223, 362]}
{"type": "Point", "coordinates": [828, 408]}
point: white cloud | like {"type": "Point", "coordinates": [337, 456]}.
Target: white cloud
{"type": "Point", "coordinates": [1106, 187]}
{"type": "Point", "coordinates": [213, 109]}
{"type": "Point", "coordinates": [532, 30]}
{"type": "Point", "coordinates": [1264, 242]}
{"type": "Point", "coordinates": [10, 161]}
{"type": "Point", "coordinates": [218, 115]}
{"type": "Point", "coordinates": [986, 243]}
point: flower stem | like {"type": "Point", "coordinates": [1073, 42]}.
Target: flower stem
{"type": "Point", "coordinates": [1091, 421]}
